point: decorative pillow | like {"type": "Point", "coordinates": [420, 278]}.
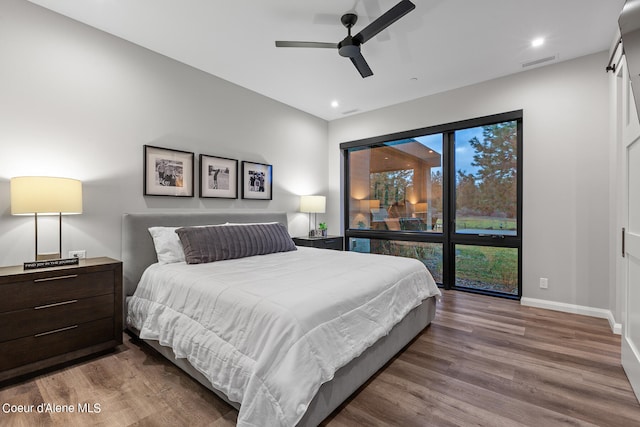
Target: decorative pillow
{"type": "Point", "coordinates": [167, 244]}
{"type": "Point", "coordinates": [217, 243]}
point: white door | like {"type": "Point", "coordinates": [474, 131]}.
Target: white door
{"type": "Point", "coordinates": [629, 131]}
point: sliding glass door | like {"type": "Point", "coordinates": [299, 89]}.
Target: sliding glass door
{"type": "Point", "coordinates": [448, 195]}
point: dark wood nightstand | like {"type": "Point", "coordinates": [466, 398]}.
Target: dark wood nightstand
{"type": "Point", "coordinates": [53, 315]}
{"type": "Point", "coordinates": [329, 242]}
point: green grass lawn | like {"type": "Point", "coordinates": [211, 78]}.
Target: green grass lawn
{"type": "Point", "coordinates": [485, 223]}
{"type": "Point", "coordinates": [482, 267]}
{"type": "Point", "coordinates": [477, 267]}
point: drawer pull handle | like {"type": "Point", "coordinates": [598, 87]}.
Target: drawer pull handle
{"type": "Point", "coordinates": [55, 304]}
{"type": "Point", "coordinates": [56, 331]}
{"type": "Point", "coordinates": [48, 279]}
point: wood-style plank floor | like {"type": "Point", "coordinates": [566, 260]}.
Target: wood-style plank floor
{"type": "Point", "coordinates": [483, 362]}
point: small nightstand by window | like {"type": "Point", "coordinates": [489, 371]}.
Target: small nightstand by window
{"type": "Point", "coordinates": [329, 242]}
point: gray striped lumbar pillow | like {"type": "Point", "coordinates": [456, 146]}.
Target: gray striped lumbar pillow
{"type": "Point", "coordinates": [221, 242]}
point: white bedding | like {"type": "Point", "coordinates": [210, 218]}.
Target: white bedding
{"type": "Point", "coordinates": [269, 330]}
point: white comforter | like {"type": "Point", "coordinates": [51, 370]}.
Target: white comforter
{"type": "Point", "coordinates": [269, 330]}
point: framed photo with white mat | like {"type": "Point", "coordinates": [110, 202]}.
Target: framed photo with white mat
{"type": "Point", "coordinates": [257, 181]}
{"type": "Point", "coordinates": [168, 172]}
{"type": "Point", "coordinates": [218, 177]}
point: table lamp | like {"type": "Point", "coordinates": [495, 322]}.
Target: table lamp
{"type": "Point", "coordinates": [313, 205]}
{"type": "Point", "coordinates": [46, 196]}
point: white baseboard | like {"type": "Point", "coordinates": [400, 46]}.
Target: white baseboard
{"type": "Point", "coordinates": [601, 313]}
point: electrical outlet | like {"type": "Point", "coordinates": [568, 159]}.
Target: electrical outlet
{"type": "Point", "coordinates": [78, 254]}
{"type": "Point", "coordinates": [544, 283]}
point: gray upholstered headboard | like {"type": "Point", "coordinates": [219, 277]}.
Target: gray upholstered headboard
{"type": "Point", "coordinates": [138, 251]}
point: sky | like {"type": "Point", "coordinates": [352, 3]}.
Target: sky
{"type": "Point", "coordinates": [464, 152]}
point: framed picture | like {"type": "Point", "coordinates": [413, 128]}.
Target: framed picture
{"type": "Point", "coordinates": [167, 172]}
{"type": "Point", "coordinates": [218, 177]}
{"type": "Point", "coordinates": [256, 181]}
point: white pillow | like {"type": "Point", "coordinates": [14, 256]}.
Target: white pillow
{"type": "Point", "coordinates": [167, 243]}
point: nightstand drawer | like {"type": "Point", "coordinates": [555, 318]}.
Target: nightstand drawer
{"type": "Point", "coordinates": [64, 340]}
{"type": "Point", "coordinates": [46, 318]}
{"type": "Point", "coordinates": [330, 242]}
{"type": "Point", "coordinates": [62, 286]}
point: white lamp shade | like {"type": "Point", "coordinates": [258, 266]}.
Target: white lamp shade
{"type": "Point", "coordinates": [313, 204]}
{"type": "Point", "coordinates": [45, 195]}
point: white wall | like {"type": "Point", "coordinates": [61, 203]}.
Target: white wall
{"type": "Point", "coordinates": [76, 102]}
{"type": "Point", "coordinates": [566, 167]}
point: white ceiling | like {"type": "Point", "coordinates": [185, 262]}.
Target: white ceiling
{"type": "Point", "coordinates": [441, 45]}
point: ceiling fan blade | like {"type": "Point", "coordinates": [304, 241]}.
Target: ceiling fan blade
{"type": "Point", "coordinates": [361, 65]}
{"type": "Point", "coordinates": [373, 9]}
{"type": "Point", "coordinates": [388, 18]}
{"type": "Point", "coordinates": [306, 44]}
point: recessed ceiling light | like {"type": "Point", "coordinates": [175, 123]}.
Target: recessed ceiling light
{"type": "Point", "coordinates": [537, 42]}
{"type": "Point", "coordinates": [335, 104]}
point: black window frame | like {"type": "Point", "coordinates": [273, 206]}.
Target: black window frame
{"type": "Point", "coordinates": [447, 237]}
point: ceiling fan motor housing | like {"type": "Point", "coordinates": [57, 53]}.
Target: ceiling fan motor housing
{"type": "Point", "coordinates": [349, 47]}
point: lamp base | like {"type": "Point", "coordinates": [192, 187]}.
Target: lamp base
{"type": "Point", "coordinates": [48, 256]}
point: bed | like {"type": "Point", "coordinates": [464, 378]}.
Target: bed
{"type": "Point", "coordinates": [303, 384]}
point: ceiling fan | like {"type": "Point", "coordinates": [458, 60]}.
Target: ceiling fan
{"type": "Point", "coordinates": [349, 47]}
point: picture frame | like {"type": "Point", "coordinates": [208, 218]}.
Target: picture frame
{"type": "Point", "coordinates": [167, 172]}
{"type": "Point", "coordinates": [218, 177]}
{"type": "Point", "coordinates": [257, 181]}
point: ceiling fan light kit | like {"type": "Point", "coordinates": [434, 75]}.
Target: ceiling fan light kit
{"type": "Point", "coordinates": [349, 47]}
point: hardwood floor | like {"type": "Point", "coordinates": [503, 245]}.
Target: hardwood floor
{"type": "Point", "coordinates": [483, 361]}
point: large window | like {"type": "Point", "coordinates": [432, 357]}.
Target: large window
{"type": "Point", "coordinates": [448, 195]}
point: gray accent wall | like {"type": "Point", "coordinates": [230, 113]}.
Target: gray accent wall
{"type": "Point", "coordinates": [79, 103]}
